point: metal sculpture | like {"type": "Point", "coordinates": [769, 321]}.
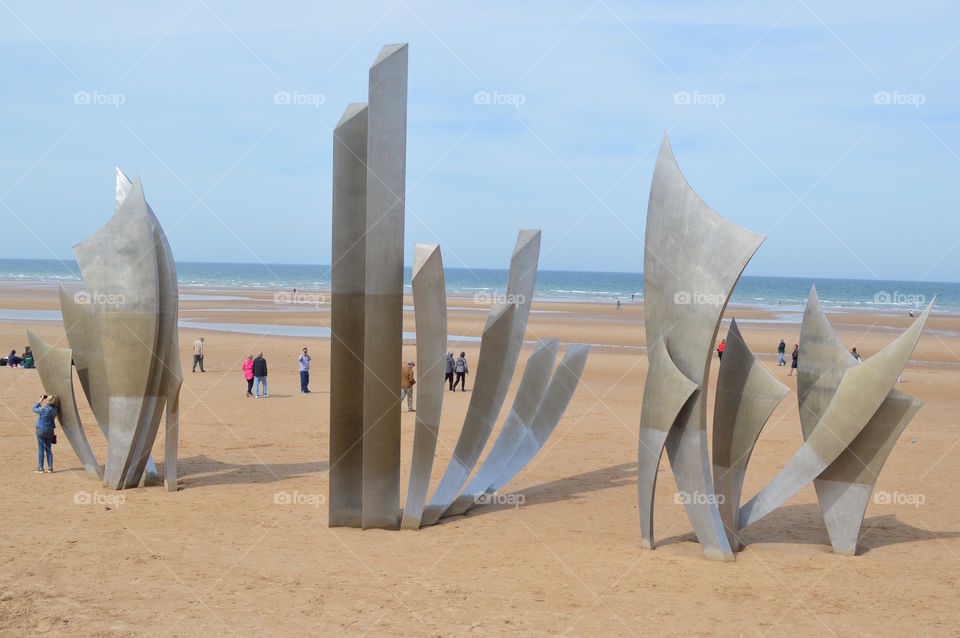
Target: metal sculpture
{"type": "Point", "coordinates": [692, 261]}
{"type": "Point", "coordinates": [366, 324]}
{"type": "Point", "coordinates": [124, 340]}
{"type": "Point", "coordinates": [850, 415]}
{"type": "Point", "coordinates": [746, 397]}
{"type": "Point", "coordinates": [430, 301]}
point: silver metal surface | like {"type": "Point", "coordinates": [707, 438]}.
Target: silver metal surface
{"type": "Point", "coordinates": [383, 287]}
{"type": "Point", "coordinates": [56, 375]}
{"type": "Point", "coordinates": [347, 317]}
{"type": "Point", "coordinates": [692, 261]}
{"type": "Point", "coordinates": [746, 396]}
{"type": "Point", "coordinates": [493, 378]}
{"type": "Point", "coordinates": [858, 396]}
{"type": "Point", "coordinates": [430, 313]}
{"type": "Point", "coordinates": [844, 487]}
{"type": "Point", "coordinates": [533, 385]}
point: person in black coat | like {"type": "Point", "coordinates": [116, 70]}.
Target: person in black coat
{"type": "Point", "coordinates": [260, 375]}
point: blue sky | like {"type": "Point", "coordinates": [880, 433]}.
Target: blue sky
{"type": "Point", "coordinates": [830, 127]}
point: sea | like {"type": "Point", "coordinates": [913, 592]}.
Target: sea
{"type": "Point", "coordinates": [485, 284]}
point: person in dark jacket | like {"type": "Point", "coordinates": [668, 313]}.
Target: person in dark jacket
{"type": "Point", "coordinates": [448, 370]}
{"type": "Point", "coordinates": [460, 367]}
{"type": "Point", "coordinates": [260, 376]}
{"type": "Point", "coordinates": [46, 410]}
{"type": "Point", "coordinates": [13, 360]}
{"type": "Point", "coordinates": [781, 350]}
{"type": "Point", "coordinates": [794, 356]}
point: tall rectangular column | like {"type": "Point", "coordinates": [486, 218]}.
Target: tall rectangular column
{"type": "Point", "coordinates": [347, 317]}
{"type": "Point", "coordinates": [383, 312]}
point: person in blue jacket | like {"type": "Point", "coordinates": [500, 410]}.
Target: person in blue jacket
{"type": "Point", "coordinates": [46, 409]}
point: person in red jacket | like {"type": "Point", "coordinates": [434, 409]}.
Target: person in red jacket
{"type": "Point", "coordinates": [720, 348]}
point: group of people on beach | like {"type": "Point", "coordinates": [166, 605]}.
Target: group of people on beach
{"type": "Point", "coordinates": [13, 360]}
{"type": "Point", "coordinates": [452, 366]}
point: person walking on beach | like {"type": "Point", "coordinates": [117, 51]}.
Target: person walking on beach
{"type": "Point", "coordinates": [721, 348]}
{"type": "Point", "coordinates": [793, 359]}
{"type": "Point", "coordinates": [855, 355]}
{"type": "Point", "coordinates": [260, 376]}
{"type": "Point", "coordinates": [304, 360]}
{"type": "Point", "coordinates": [198, 355]}
{"type": "Point", "coordinates": [448, 370]}
{"type": "Point", "coordinates": [406, 384]}
{"type": "Point", "coordinates": [460, 367]}
{"type": "Point", "coordinates": [46, 410]}
{"type": "Point", "coordinates": [781, 350]}
{"type": "Point", "coordinates": [247, 368]}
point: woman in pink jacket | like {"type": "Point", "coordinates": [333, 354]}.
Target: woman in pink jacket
{"type": "Point", "coordinates": [248, 373]}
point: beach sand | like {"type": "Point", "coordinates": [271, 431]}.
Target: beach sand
{"type": "Point", "coordinates": [226, 556]}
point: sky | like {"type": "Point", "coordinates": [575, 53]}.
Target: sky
{"type": "Point", "coordinates": [832, 128]}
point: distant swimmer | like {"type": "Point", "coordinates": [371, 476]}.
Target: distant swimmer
{"type": "Point", "coordinates": [618, 304]}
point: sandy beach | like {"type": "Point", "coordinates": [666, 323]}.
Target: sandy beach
{"type": "Point", "coordinates": [243, 547]}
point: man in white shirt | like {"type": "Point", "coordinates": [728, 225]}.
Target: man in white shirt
{"type": "Point", "coordinates": [198, 355]}
{"type": "Point", "coordinates": [304, 360]}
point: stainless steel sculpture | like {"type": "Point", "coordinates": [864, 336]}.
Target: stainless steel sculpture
{"type": "Point", "coordinates": [347, 317]}
{"type": "Point", "coordinates": [499, 350]}
{"type": "Point", "coordinates": [56, 375]}
{"type": "Point", "coordinates": [430, 302]}
{"type": "Point", "coordinates": [366, 327]}
{"type": "Point", "coordinates": [844, 488]}
{"type": "Point", "coordinates": [746, 397]}
{"type": "Point", "coordinates": [692, 261]}
{"type": "Point", "coordinates": [383, 286]}
{"type": "Point", "coordinates": [124, 338]}
{"type": "Point", "coordinates": [850, 415]}
{"type": "Point", "coordinates": [858, 396]}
